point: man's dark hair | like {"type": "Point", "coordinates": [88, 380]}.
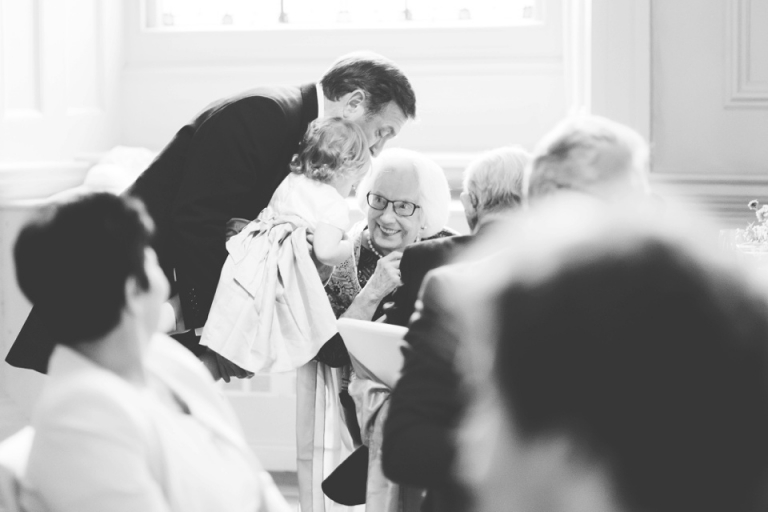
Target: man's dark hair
{"type": "Point", "coordinates": [653, 360]}
{"type": "Point", "coordinates": [73, 260]}
{"type": "Point", "coordinates": [380, 78]}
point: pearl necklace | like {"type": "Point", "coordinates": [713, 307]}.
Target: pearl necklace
{"type": "Point", "coordinates": [370, 244]}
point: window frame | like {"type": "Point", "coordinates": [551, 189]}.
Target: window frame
{"type": "Point", "coordinates": [147, 6]}
{"type": "Point", "coordinates": [539, 40]}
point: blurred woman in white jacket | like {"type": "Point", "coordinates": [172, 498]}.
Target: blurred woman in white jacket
{"type": "Point", "coordinates": [128, 420]}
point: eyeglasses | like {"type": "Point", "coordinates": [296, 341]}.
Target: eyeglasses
{"type": "Point", "coordinates": [401, 208]}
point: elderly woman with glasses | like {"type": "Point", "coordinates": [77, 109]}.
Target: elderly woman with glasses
{"type": "Point", "coordinates": [405, 199]}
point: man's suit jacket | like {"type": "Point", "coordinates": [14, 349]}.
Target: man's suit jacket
{"type": "Point", "coordinates": [417, 260]}
{"type": "Point", "coordinates": [418, 447]}
{"type": "Point", "coordinates": [425, 405]}
{"type": "Point", "coordinates": [102, 443]}
{"type": "Point", "coordinates": [226, 163]}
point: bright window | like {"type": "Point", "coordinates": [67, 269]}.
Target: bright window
{"type": "Point", "coordinates": [271, 14]}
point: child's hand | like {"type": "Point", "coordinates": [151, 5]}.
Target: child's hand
{"type": "Point", "coordinates": [323, 270]}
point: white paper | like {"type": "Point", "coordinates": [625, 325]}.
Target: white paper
{"type": "Point", "coordinates": [376, 346]}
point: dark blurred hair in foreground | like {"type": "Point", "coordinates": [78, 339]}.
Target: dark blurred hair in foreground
{"type": "Point", "coordinates": [73, 260]}
{"type": "Point", "coordinates": [646, 349]}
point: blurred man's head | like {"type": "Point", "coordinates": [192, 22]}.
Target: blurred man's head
{"type": "Point", "coordinates": [493, 183]}
{"type": "Point", "coordinates": [622, 368]}
{"type": "Point", "coordinates": [590, 155]}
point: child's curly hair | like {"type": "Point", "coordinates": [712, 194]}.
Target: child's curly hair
{"type": "Point", "coordinates": [331, 147]}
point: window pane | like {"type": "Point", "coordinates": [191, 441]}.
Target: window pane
{"type": "Point", "coordinates": [311, 12]}
{"type": "Point", "coordinates": [208, 14]}
{"type": "Point", "coordinates": [372, 12]}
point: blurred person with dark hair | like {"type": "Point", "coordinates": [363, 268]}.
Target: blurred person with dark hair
{"type": "Point", "coordinates": [616, 364]}
{"type": "Point", "coordinates": [128, 419]}
{"type": "Point", "coordinates": [226, 164]}
{"type": "Point", "coordinates": [418, 445]}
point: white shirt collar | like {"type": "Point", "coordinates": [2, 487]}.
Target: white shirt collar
{"type": "Point", "coordinates": [320, 101]}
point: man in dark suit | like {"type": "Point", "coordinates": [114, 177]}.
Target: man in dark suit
{"type": "Point", "coordinates": [226, 164]}
{"type": "Point", "coordinates": [424, 406]}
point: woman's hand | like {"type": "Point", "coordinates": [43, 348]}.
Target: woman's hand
{"type": "Point", "coordinates": [386, 277]}
{"type": "Point", "coordinates": [384, 280]}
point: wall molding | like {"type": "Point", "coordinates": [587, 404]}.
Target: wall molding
{"type": "Point", "coordinates": [577, 55]}
{"type": "Point", "coordinates": [60, 79]}
{"type": "Point", "coordinates": [484, 67]}
{"type": "Point", "coordinates": [21, 71]}
{"type": "Point", "coordinates": [723, 196]}
{"type": "Point", "coordinates": [31, 181]}
{"type": "Point", "coordinates": [741, 90]}
{"type": "Point", "coordinates": [86, 58]}
{"type": "Point", "coordinates": [322, 45]}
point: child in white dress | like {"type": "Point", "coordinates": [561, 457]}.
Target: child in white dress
{"type": "Point", "coordinates": [270, 312]}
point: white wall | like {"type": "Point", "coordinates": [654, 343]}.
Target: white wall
{"type": "Point", "coordinates": [60, 64]}
{"type": "Point", "coordinates": [620, 74]}
{"type": "Point", "coordinates": [710, 103]}
{"type": "Point", "coordinates": [59, 71]}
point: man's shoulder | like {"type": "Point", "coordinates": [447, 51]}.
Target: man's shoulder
{"type": "Point", "coordinates": [435, 253]}
{"type": "Point", "coordinates": [435, 326]}
{"type": "Point", "coordinates": [447, 279]}
{"type": "Point", "coordinates": [283, 95]}
{"type": "Point", "coordinates": [438, 245]}
{"type": "Point", "coordinates": [285, 99]}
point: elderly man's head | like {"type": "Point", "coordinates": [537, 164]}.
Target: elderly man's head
{"type": "Point", "coordinates": [493, 183]}
{"type": "Point", "coordinates": [591, 155]}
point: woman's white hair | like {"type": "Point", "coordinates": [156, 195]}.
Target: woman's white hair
{"type": "Point", "coordinates": [434, 192]}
